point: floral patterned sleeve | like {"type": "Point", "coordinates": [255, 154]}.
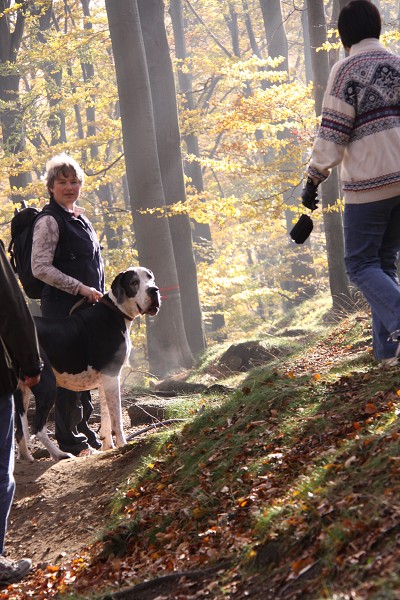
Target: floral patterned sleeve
{"type": "Point", "coordinates": [44, 244]}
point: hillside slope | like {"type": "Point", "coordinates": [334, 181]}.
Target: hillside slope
{"type": "Point", "coordinates": [285, 488]}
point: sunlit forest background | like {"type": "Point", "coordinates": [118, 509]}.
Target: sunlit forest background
{"type": "Point", "coordinates": [248, 78]}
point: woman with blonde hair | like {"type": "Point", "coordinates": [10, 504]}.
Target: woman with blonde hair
{"type": "Point", "coordinates": [66, 257]}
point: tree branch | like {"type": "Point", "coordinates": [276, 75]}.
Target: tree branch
{"type": "Point", "coordinates": [198, 17]}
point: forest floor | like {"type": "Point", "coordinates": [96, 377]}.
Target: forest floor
{"type": "Point", "coordinates": [286, 488]}
{"type": "Point", "coordinates": [60, 507]}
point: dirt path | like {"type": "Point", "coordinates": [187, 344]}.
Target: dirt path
{"type": "Point", "coordinates": [61, 507]}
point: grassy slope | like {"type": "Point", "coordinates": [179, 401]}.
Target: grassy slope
{"type": "Point", "coordinates": [293, 478]}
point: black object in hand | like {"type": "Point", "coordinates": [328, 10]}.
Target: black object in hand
{"type": "Point", "coordinates": [309, 195]}
{"type": "Point", "coordinates": [302, 229]}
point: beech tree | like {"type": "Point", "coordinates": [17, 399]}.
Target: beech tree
{"type": "Point", "coordinates": [192, 167]}
{"type": "Point", "coordinates": [167, 342]}
{"type": "Point", "coordinates": [163, 94]}
{"type": "Point", "coordinates": [246, 130]}
{"type": "Point", "coordinates": [301, 267]}
{"type": "Point", "coordinates": [341, 295]}
{"type": "Point", "coordinates": [12, 22]}
{"type": "Point", "coordinates": [201, 231]}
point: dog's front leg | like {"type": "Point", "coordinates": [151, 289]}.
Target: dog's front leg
{"type": "Point", "coordinates": [112, 400]}
{"type": "Point", "coordinates": [105, 427]}
{"type": "Point", "coordinates": [21, 399]}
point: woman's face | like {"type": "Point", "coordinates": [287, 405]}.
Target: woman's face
{"type": "Point", "coordinates": [66, 189]}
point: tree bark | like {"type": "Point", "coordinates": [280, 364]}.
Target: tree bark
{"type": "Point", "coordinates": [301, 268]}
{"type": "Point", "coordinates": [53, 77]}
{"type": "Point", "coordinates": [165, 112]}
{"type": "Point", "coordinates": [104, 191]}
{"type": "Point", "coordinates": [167, 344]}
{"type": "Point", "coordinates": [307, 48]}
{"type": "Point", "coordinates": [339, 286]}
{"type": "Point", "coordinates": [12, 124]}
{"type": "Point", "coordinates": [275, 31]}
{"type": "Point", "coordinates": [202, 232]}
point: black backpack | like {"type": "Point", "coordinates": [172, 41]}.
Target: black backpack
{"type": "Point", "coordinates": [20, 247]}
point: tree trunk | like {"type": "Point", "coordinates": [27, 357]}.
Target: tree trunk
{"type": "Point", "coordinates": [53, 77]}
{"type": "Point", "coordinates": [231, 19]}
{"type": "Point", "coordinates": [202, 233]}
{"type": "Point", "coordinates": [11, 119]}
{"type": "Point", "coordinates": [167, 344]}
{"type": "Point", "coordinates": [333, 226]}
{"type": "Point", "coordinates": [307, 47]}
{"type": "Point", "coordinates": [165, 112]}
{"type": "Point", "coordinates": [275, 31]}
{"type": "Point", "coordinates": [250, 31]}
{"type": "Point", "coordinates": [301, 267]}
{"type": "Point", "coordinates": [104, 191]}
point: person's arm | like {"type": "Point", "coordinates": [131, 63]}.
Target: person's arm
{"type": "Point", "coordinates": [337, 122]}
{"type": "Point", "coordinates": [333, 135]}
{"type": "Point", "coordinates": [17, 328]}
{"type": "Point", "coordinates": [44, 243]}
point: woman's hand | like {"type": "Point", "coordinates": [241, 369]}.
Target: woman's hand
{"type": "Point", "coordinates": [31, 381]}
{"type": "Point", "coordinates": [90, 293]}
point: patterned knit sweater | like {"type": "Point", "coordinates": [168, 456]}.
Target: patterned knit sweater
{"type": "Point", "coordinates": [360, 124]}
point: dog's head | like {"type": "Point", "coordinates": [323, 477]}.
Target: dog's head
{"type": "Point", "coordinates": [135, 293]}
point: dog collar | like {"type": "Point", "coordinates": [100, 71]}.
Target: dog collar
{"type": "Point", "coordinates": [106, 300]}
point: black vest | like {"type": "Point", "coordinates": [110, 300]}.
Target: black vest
{"type": "Point", "coordinates": [78, 255]}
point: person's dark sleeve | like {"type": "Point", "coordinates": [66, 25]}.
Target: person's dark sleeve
{"type": "Point", "coordinates": [17, 328]}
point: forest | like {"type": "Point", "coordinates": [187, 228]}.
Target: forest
{"type": "Point", "coordinates": [193, 122]}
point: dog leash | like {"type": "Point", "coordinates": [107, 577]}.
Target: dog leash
{"type": "Point", "coordinates": [77, 305]}
{"type": "Point", "coordinates": [105, 300]}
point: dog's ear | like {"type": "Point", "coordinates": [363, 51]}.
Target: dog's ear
{"type": "Point", "coordinates": [125, 284]}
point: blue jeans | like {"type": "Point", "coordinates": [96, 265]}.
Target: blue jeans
{"type": "Point", "coordinates": [7, 483]}
{"type": "Point", "coordinates": [372, 245]}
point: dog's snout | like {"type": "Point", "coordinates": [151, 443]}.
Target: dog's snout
{"type": "Point", "coordinates": [155, 299]}
{"type": "Point", "coordinates": [153, 290]}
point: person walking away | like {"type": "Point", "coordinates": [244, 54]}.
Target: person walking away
{"type": "Point", "coordinates": [360, 128]}
{"type": "Point", "coordinates": [19, 358]}
{"type": "Point", "coordinates": [67, 259]}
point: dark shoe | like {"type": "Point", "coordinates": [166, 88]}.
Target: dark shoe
{"type": "Point", "coordinates": [91, 436]}
{"type": "Point", "coordinates": [96, 444]}
{"type": "Point", "coordinates": [13, 570]}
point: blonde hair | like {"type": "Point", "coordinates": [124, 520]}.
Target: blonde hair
{"type": "Point", "coordinates": [64, 164]}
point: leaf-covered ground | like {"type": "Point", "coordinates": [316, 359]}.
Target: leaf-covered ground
{"type": "Point", "coordinates": [287, 488]}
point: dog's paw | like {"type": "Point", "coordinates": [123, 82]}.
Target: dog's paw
{"type": "Point", "coordinates": [63, 456]}
{"type": "Point", "coordinates": [25, 457]}
{"type": "Point", "coordinates": [108, 447]}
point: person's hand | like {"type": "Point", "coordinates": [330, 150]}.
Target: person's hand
{"type": "Point", "coordinates": [31, 381]}
{"type": "Point", "coordinates": [309, 195]}
{"type": "Point", "coordinates": [90, 293]}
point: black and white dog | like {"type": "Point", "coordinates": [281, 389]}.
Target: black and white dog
{"type": "Point", "coordinates": [84, 351]}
